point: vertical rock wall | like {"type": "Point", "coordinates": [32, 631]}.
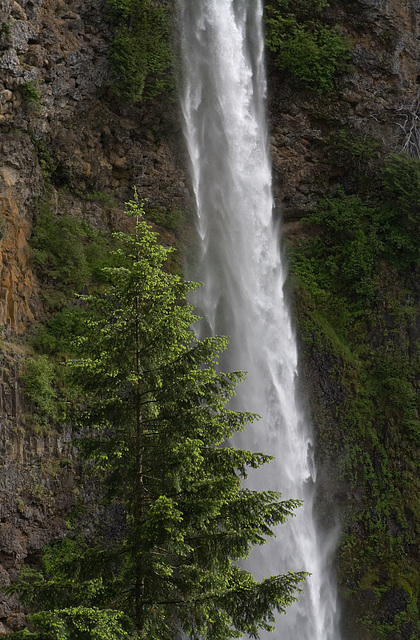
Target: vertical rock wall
{"type": "Point", "coordinates": [376, 105]}
{"type": "Point", "coordinates": [378, 97]}
{"type": "Point", "coordinates": [61, 130]}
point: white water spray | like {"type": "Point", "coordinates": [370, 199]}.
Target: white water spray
{"type": "Point", "coordinates": [223, 103]}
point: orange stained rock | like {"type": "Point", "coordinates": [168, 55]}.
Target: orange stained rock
{"type": "Point", "coordinates": [18, 286]}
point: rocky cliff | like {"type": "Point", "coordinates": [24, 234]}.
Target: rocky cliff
{"type": "Point", "coordinates": [378, 97]}
{"type": "Point", "coordinates": [63, 130]}
{"type": "Point", "coordinates": [70, 145]}
{"type": "Point", "coordinates": [345, 138]}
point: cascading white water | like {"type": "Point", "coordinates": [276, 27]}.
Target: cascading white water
{"type": "Point", "coordinates": [223, 101]}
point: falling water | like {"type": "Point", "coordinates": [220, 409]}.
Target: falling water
{"type": "Point", "coordinates": [223, 102]}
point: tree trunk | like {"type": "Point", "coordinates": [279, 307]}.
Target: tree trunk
{"type": "Point", "coordinates": [139, 500]}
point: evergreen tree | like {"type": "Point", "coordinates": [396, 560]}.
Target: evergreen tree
{"type": "Point", "coordinates": [155, 422]}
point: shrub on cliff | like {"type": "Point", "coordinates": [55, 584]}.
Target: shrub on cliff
{"type": "Point", "coordinates": [312, 52]}
{"type": "Point", "coordinates": [140, 52]}
{"type": "Point", "coordinates": [37, 377]}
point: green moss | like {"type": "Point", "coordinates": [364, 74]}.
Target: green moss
{"type": "Point", "coordinates": [32, 93]}
{"type": "Point", "coordinates": [172, 220]}
{"type": "Point", "coordinates": [68, 255]}
{"type": "Point", "coordinates": [399, 217]}
{"type": "Point", "coordinates": [357, 156]}
{"type": "Point", "coordinates": [55, 336]}
{"type": "Point", "coordinates": [409, 580]}
{"type": "Point", "coordinates": [370, 579]}
{"type": "Point", "coordinates": [96, 196]}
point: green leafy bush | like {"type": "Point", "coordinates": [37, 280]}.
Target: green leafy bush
{"type": "Point", "coordinates": [395, 391]}
{"type": "Point", "coordinates": [344, 258]}
{"type": "Point", "coordinates": [37, 378]}
{"type": "Point", "coordinates": [67, 253]}
{"type": "Point", "coordinates": [140, 52]}
{"type": "Point", "coordinates": [401, 181]}
{"type": "Point", "coordinates": [355, 234]}
{"type": "Point", "coordinates": [56, 336]}
{"type": "Point", "coordinates": [123, 9]}
{"type": "Point", "coordinates": [302, 9]}
{"type": "Point", "coordinates": [389, 187]}
{"type": "Point", "coordinates": [129, 62]}
{"type": "Point", "coordinates": [356, 157]}
{"type": "Point", "coordinates": [171, 220]}
{"type": "Point", "coordinates": [57, 243]}
{"type": "Point", "coordinates": [311, 51]}
{"type": "Point", "coordinates": [398, 216]}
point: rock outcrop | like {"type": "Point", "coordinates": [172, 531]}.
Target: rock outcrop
{"type": "Point", "coordinates": [378, 97]}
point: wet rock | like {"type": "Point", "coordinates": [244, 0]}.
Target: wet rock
{"type": "Point", "coordinates": [5, 96]}
{"type": "Point", "coordinates": [11, 541]}
{"type": "Point", "coordinates": [5, 9]}
{"type": "Point", "coordinates": [16, 621]}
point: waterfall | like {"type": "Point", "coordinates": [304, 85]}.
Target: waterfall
{"type": "Point", "coordinates": [223, 89]}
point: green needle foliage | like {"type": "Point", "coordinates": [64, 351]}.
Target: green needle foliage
{"type": "Point", "coordinates": [155, 422]}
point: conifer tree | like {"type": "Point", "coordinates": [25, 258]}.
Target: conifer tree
{"type": "Point", "coordinates": [155, 422]}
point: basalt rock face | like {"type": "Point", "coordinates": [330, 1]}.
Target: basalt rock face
{"type": "Point", "coordinates": [376, 102]}
{"type": "Point", "coordinates": [61, 125]}
{"type": "Point", "coordinates": [58, 119]}
{"type": "Point", "coordinates": [378, 97]}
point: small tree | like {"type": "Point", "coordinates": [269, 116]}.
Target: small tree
{"type": "Point", "coordinates": [155, 422]}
